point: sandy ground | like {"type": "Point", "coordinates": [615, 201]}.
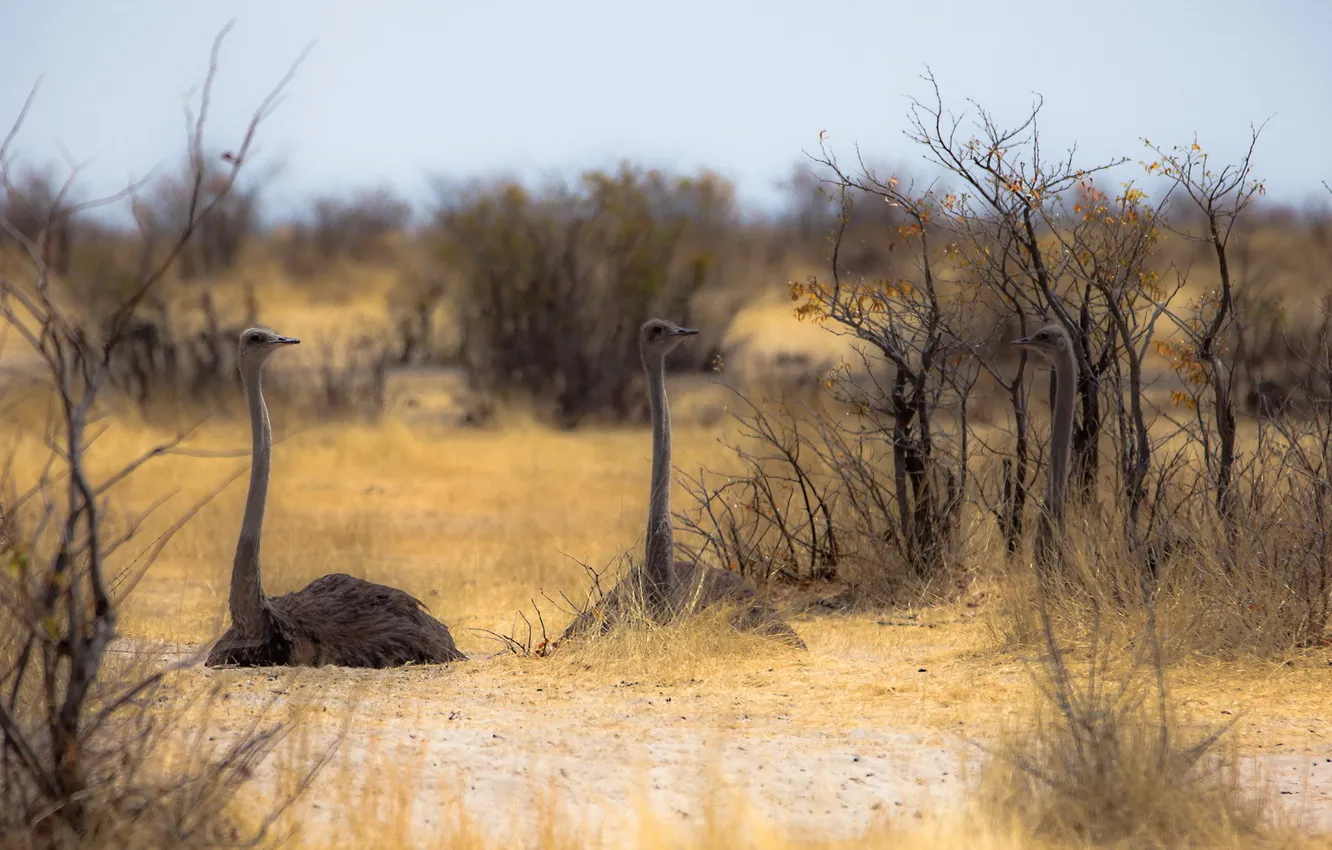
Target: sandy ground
{"type": "Point", "coordinates": [817, 783]}
{"type": "Point", "coordinates": [601, 752]}
{"type": "Point", "coordinates": [809, 750]}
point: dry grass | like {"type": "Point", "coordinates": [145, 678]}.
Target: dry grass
{"type": "Point", "coordinates": [475, 523]}
{"type": "Point", "coordinates": [691, 736]}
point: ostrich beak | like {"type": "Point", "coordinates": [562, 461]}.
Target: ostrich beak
{"type": "Point", "coordinates": [1024, 342]}
{"type": "Point", "coordinates": [288, 340]}
{"type": "Point", "coordinates": [685, 331]}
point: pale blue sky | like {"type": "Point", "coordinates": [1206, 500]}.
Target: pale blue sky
{"type": "Point", "coordinates": [395, 90]}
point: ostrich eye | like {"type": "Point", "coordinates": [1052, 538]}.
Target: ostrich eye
{"type": "Point", "coordinates": [656, 331]}
{"type": "Point", "coordinates": [256, 338]}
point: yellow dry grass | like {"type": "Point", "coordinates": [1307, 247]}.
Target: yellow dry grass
{"type": "Point", "coordinates": [478, 523]}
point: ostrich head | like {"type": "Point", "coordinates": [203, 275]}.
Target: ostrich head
{"type": "Point", "coordinates": [256, 344]}
{"type": "Point", "coordinates": [658, 337]}
{"type": "Point", "coordinates": [1051, 342]}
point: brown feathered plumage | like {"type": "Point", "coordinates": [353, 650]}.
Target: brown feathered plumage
{"type": "Point", "coordinates": [669, 587]}
{"type": "Point", "coordinates": [696, 588]}
{"type": "Point", "coordinates": [337, 619]}
{"type": "Point", "coordinates": [345, 621]}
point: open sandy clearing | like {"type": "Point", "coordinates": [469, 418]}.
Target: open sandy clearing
{"type": "Point", "coordinates": [824, 743]}
{"type": "Point", "coordinates": [497, 744]}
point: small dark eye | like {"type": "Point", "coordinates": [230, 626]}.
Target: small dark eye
{"type": "Point", "coordinates": [256, 338]}
{"type": "Point", "coordinates": [656, 330]}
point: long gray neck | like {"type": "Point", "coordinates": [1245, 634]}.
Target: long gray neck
{"type": "Point", "coordinates": [249, 609]}
{"type": "Point", "coordinates": [659, 565]}
{"type": "Point", "coordinates": [1065, 376]}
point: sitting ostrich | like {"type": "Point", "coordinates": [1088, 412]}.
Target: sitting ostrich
{"type": "Point", "coordinates": [1054, 346]}
{"type": "Point", "coordinates": [669, 587]}
{"type": "Point", "coordinates": [336, 619]}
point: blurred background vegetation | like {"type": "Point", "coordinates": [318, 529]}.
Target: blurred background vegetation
{"type": "Point", "coordinates": [533, 291]}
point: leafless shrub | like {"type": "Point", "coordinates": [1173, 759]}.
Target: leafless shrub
{"type": "Point", "coordinates": [775, 520]}
{"type": "Point", "coordinates": [1105, 758]}
{"type": "Point", "coordinates": [874, 480]}
{"type": "Point", "coordinates": [909, 394]}
{"type": "Point", "coordinates": [82, 761]}
{"type": "Point", "coordinates": [1220, 195]}
{"type": "Point", "coordinates": [818, 502]}
{"type": "Point", "coordinates": [886, 471]}
{"type": "Point", "coordinates": [1009, 201]}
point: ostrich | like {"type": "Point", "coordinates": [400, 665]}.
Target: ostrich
{"type": "Point", "coordinates": [668, 586]}
{"type": "Point", "coordinates": [336, 619]}
{"type": "Point", "coordinates": [1053, 344]}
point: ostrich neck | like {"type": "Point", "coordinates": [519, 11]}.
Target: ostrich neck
{"type": "Point", "coordinates": [658, 563]}
{"type": "Point", "coordinates": [1065, 376]}
{"type": "Point", "coordinates": [248, 606]}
